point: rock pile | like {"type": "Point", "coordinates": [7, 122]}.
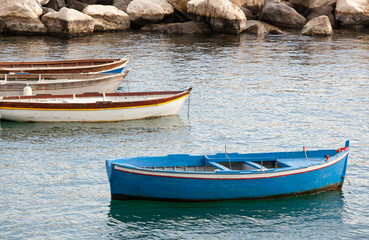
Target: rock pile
{"type": "Point", "coordinates": [70, 18]}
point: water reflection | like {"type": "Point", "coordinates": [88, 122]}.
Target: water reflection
{"type": "Point", "coordinates": [33, 48]}
{"type": "Point", "coordinates": [252, 94]}
{"type": "Point", "coordinates": [140, 217]}
{"type": "Point", "coordinates": [11, 131]}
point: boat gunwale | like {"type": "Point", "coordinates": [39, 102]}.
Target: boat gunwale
{"type": "Point", "coordinates": [98, 105]}
{"type": "Point", "coordinates": [63, 61]}
{"type": "Point", "coordinates": [231, 174]}
{"type": "Point", "coordinates": [57, 78]}
{"type": "Point", "coordinates": [93, 94]}
{"type": "Point", "coordinates": [116, 62]}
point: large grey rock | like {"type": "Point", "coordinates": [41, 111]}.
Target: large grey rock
{"type": "Point", "coordinates": [320, 11]}
{"type": "Point", "coordinates": [281, 15]}
{"type": "Point", "coordinates": [256, 28]}
{"type": "Point", "coordinates": [22, 17]}
{"type": "Point", "coordinates": [2, 27]}
{"type": "Point", "coordinates": [221, 15]}
{"type": "Point", "coordinates": [98, 2]}
{"type": "Point", "coordinates": [107, 18]}
{"type": "Point", "coordinates": [42, 2]}
{"type": "Point", "coordinates": [142, 12]}
{"type": "Point", "coordinates": [77, 5]}
{"type": "Point", "coordinates": [121, 4]}
{"type": "Point", "coordinates": [180, 5]}
{"type": "Point", "coordinates": [55, 4]}
{"type": "Point", "coordinates": [248, 14]}
{"type": "Point", "coordinates": [276, 32]}
{"type": "Point", "coordinates": [268, 27]}
{"type": "Point", "coordinates": [89, 2]}
{"type": "Point", "coordinates": [47, 10]}
{"type": "Point", "coordinates": [352, 13]}
{"type": "Point", "coordinates": [318, 26]}
{"type": "Point", "coordinates": [314, 3]}
{"type": "Point", "coordinates": [182, 28]}
{"type": "Point", "coordinates": [68, 23]}
{"type": "Point", "coordinates": [255, 6]}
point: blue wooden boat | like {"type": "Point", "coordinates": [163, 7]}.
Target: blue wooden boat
{"type": "Point", "coordinates": [225, 176]}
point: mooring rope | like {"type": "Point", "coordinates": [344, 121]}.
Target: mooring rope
{"type": "Point", "coordinates": [305, 152]}
{"type": "Point", "coordinates": [229, 160]}
{"type": "Point", "coordinates": [188, 104]}
{"type": "Point", "coordinates": [345, 177]}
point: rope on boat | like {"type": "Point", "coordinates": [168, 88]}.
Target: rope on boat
{"type": "Point", "coordinates": [348, 180]}
{"type": "Point", "coordinates": [229, 160]}
{"type": "Point", "coordinates": [188, 104]}
{"type": "Point", "coordinates": [303, 148]}
{"type": "Point", "coordinates": [312, 159]}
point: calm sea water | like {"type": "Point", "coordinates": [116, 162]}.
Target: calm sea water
{"type": "Point", "coordinates": [276, 93]}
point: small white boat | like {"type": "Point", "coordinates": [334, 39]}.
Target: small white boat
{"type": "Point", "coordinates": [65, 66]}
{"type": "Point", "coordinates": [92, 107]}
{"type": "Point", "coordinates": [14, 84]}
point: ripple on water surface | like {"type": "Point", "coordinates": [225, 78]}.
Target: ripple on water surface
{"type": "Point", "coordinates": [252, 94]}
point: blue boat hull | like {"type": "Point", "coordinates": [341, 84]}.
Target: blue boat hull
{"type": "Point", "coordinates": [116, 70]}
{"type": "Point", "coordinates": [131, 183]}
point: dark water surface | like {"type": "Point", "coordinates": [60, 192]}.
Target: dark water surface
{"type": "Point", "coordinates": [276, 93]}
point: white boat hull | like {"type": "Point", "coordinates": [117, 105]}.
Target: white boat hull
{"type": "Point", "coordinates": [104, 87]}
{"type": "Point", "coordinates": [64, 84]}
{"type": "Point", "coordinates": [93, 115]}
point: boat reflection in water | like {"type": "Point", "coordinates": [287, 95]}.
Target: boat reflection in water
{"type": "Point", "coordinates": [13, 131]}
{"type": "Point", "coordinates": [256, 217]}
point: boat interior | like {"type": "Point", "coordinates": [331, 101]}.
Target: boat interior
{"type": "Point", "coordinates": [50, 77]}
{"type": "Point", "coordinates": [65, 63]}
{"type": "Point", "coordinates": [234, 162]}
{"type": "Point", "coordinates": [85, 98]}
{"type": "Point", "coordinates": [225, 165]}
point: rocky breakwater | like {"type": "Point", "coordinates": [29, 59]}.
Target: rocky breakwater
{"type": "Point", "coordinates": [70, 18]}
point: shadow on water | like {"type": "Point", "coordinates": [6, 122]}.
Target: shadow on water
{"type": "Point", "coordinates": [15, 130]}
{"type": "Point", "coordinates": [204, 217]}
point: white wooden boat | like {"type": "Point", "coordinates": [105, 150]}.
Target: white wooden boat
{"type": "Point", "coordinates": [14, 84]}
{"type": "Point", "coordinates": [92, 107]}
{"type": "Point", "coordinates": [66, 66]}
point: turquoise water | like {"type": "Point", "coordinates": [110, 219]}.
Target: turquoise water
{"type": "Point", "coordinates": [276, 93]}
